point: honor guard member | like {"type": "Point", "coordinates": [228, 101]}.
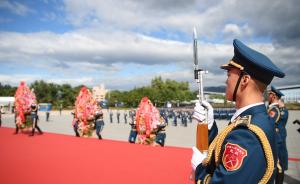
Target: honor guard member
{"type": "Point", "coordinates": [245, 151]}
{"type": "Point", "coordinates": [133, 132]}
{"type": "Point", "coordinates": [99, 123]}
{"type": "Point", "coordinates": [118, 116]}
{"type": "Point", "coordinates": [280, 116]}
{"type": "Point", "coordinates": [34, 119]}
{"type": "Point", "coordinates": [161, 134]}
{"type": "Point", "coordinates": [175, 118]}
{"type": "Point", "coordinates": [47, 115]}
{"type": "Point", "coordinates": [283, 121]}
{"type": "Point", "coordinates": [75, 124]}
{"type": "Point", "coordinates": [125, 117]}
{"type": "Point", "coordinates": [111, 116]}
{"type": "Point", "coordinates": [0, 115]}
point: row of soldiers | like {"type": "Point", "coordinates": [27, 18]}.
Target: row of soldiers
{"type": "Point", "coordinates": [279, 113]}
{"type": "Point", "coordinates": [184, 116]}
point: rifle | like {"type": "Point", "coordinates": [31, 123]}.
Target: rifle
{"type": "Point", "coordinates": [202, 128]}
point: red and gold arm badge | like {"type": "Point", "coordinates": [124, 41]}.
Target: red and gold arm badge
{"type": "Point", "coordinates": [233, 156]}
{"type": "Point", "coordinates": [272, 113]}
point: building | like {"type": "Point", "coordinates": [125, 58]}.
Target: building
{"type": "Point", "coordinates": [7, 103]}
{"type": "Point", "coordinates": [291, 93]}
{"type": "Point", "coordinates": [99, 93]}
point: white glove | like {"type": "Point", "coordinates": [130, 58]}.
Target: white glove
{"type": "Point", "coordinates": [200, 113]}
{"type": "Point", "coordinates": [197, 157]}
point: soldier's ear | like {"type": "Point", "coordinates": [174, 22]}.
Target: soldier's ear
{"type": "Point", "coordinates": [245, 80]}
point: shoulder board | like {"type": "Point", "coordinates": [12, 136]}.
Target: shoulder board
{"type": "Point", "coordinates": [243, 121]}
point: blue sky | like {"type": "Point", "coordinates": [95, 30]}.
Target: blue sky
{"type": "Point", "coordinates": [125, 44]}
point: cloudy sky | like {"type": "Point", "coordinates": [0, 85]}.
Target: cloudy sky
{"type": "Point", "coordinates": [125, 44]}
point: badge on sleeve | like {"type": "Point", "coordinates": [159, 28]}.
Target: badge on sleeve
{"type": "Point", "coordinates": [233, 156]}
{"type": "Point", "coordinates": [272, 114]}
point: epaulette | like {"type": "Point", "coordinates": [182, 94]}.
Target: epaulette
{"type": "Point", "coordinates": [243, 121]}
{"type": "Point", "coordinates": [278, 112]}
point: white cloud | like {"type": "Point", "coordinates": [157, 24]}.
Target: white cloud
{"type": "Point", "coordinates": [110, 35]}
{"type": "Point", "coordinates": [87, 52]}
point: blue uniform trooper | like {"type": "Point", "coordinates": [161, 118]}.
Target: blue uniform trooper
{"type": "Point", "coordinates": [280, 116]}
{"type": "Point", "coordinates": [99, 123]}
{"type": "Point", "coordinates": [245, 151]}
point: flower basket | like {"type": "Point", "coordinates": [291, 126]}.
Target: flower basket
{"type": "Point", "coordinates": [85, 109]}
{"type": "Point", "coordinates": [24, 98]}
{"type": "Point", "coordinates": [86, 130]}
{"type": "Point", "coordinates": [147, 121]}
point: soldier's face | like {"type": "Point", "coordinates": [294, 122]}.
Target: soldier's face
{"type": "Point", "coordinates": [272, 97]}
{"type": "Point", "coordinates": [232, 77]}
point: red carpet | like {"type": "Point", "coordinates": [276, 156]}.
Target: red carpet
{"type": "Point", "coordinates": [55, 158]}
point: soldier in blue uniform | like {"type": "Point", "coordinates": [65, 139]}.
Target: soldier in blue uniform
{"type": "Point", "coordinates": [280, 116]}
{"type": "Point", "coordinates": [0, 115]}
{"type": "Point", "coordinates": [245, 151]}
{"type": "Point", "coordinates": [34, 119]}
{"type": "Point", "coordinates": [111, 116]}
{"type": "Point", "coordinates": [133, 132]}
{"type": "Point", "coordinates": [175, 118]}
{"type": "Point", "coordinates": [99, 123]}
{"type": "Point", "coordinates": [184, 119]}
{"type": "Point", "coordinates": [118, 116]}
{"type": "Point", "coordinates": [125, 117]}
{"type": "Point", "coordinates": [75, 124]}
{"type": "Point", "coordinates": [161, 134]}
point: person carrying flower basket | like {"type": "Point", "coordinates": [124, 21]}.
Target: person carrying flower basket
{"type": "Point", "coordinates": [24, 98]}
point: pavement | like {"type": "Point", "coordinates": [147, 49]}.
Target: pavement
{"type": "Point", "coordinates": [178, 136]}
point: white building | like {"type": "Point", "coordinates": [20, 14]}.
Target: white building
{"type": "Point", "coordinates": [99, 92]}
{"type": "Point", "coordinates": [7, 103]}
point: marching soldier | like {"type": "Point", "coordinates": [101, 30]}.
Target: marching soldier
{"type": "Point", "coordinates": [125, 117]}
{"type": "Point", "coordinates": [118, 116]}
{"type": "Point", "coordinates": [75, 124]}
{"type": "Point", "coordinates": [175, 118]}
{"type": "Point", "coordinates": [184, 118]}
{"type": "Point", "coordinates": [133, 132]}
{"type": "Point", "coordinates": [160, 134]}
{"type": "Point", "coordinates": [111, 116]}
{"type": "Point", "coordinates": [99, 123]}
{"type": "Point", "coordinates": [0, 115]}
{"type": "Point", "coordinates": [245, 151]}
{"type": "Point", "coordinates": [34, 119]}
{"type": "Point", "coordinates": [280, 116]}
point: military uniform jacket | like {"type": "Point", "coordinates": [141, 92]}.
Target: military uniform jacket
{"type": "Point", "coordinates": [280, 116]}
{"type": "Point", "coordinates": [274, 113]}
{"type": "Point", "coordinates": [244, 152]}
{"type": "Point", "coordinates": [284, 114]}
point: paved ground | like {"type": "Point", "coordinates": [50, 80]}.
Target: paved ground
{"type": "Point", "coordinates": [176, 136]}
